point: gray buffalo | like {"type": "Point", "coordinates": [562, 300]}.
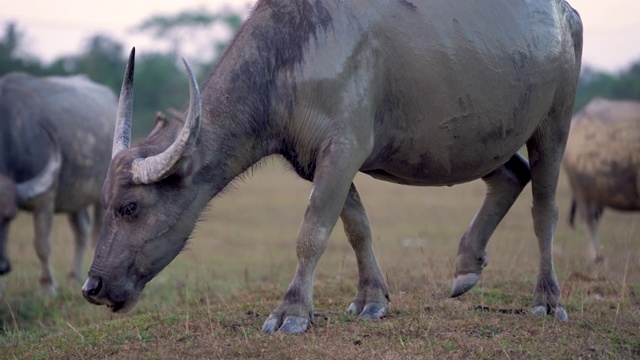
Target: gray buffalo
{"type": "Point", "coordinates": [602, 162]}
{"type": "Point", "coordinates": [420, 92]}
{"type": "Point", "coordinates": [55, 148]}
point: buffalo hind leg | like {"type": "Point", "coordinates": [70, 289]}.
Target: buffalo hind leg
{"type": "Point", "coordinates": [504, 185]}
{"type": "Point", "coordinates": [335, 170]}
{"type": "Point", "coordinates": [80, 224]}
{"type": "Point", "coordinates": [591, 213]}
{"type": "Point", "coordinates": [371, 300]}
{"type": "Point", "coordinates": [546, 148]}
{"type": "Point", "coordinates": [42, 217]}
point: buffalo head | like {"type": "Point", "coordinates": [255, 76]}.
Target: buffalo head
{"type": "Point", "coordinates": [151, 206]}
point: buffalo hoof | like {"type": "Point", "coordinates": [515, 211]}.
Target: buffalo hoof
{"type": "Point", "coordinates": [291, 325]}
{"type": "Point", "coordinates": [48, 290]}
{"type": "Point", "coordinates": [463, 283]}
{"type": "Point", "coordinates": [370, 311]}
{"type": "Point", "coordinates": [559, 312]}
{"type": "Point", "coordinates": [5, 267]}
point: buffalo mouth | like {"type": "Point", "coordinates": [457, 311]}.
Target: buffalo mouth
{"type": "Point", "coordinates": [116, 307]}
{"type": "Point", "coordinates": [95, 292]}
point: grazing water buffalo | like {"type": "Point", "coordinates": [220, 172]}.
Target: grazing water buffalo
{"type": "Point", "coordinates": [414, 92]}
{"type": "Point", "coordinates": [55, 146]}
{"type": "Point", "coordinates": [602, 161]}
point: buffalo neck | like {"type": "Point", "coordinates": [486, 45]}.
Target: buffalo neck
{"type": "Point", "coordinates": [249, 95]}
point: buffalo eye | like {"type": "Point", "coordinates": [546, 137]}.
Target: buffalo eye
{"type": "Point", "coordinates": [127, 210]}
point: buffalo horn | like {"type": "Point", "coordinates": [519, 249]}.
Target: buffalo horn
{"type": "Point", "coordinates": [154, 168]}
{"type": "Point", "coordinates": [122, 134]}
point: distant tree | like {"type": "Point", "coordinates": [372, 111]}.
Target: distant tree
{"type": "Point", "coordinates": [102, 60]}
{"type": "Point", "coordinates": [159, 85]}
{"type": "Point", "coordinates": [10, 41]}
{"type": "Point", "coordinates": [177, 29]}
{"type": "Point", "coordinates": [12, 56]}
{"type": "Point", "coordinates": [594, 83]}
{"type": "Point", "coordinates": [628, 85]}
{"type": "Point", "coordinates": [160, 82]}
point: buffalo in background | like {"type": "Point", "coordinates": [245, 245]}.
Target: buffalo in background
{"type": "Point", "coordinates": [602, 161]}
{"type": "Point", "coordinates": [55, 148]}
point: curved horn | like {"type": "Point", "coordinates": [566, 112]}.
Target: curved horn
{"type": "Point", "coordinates": [122, 134]}
{"type": "Point", "coordinates": [157, 167]}
{"type": "Point", "coordinates": [42, 182]}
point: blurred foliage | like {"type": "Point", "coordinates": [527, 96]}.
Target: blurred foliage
{"type": "Point", "coordinates": [160, 82]}
{"type": "Point", "coordinates": [594, 83]}
{"type": "Point", "coordinates": [176, 29]}
{"type": "Point", "coordinates": [10, 57]}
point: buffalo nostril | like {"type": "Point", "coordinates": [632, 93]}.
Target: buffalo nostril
{"type": "Point", "coordinates": [92, 286]}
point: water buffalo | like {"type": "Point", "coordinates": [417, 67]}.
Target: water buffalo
{"type": "Point", "coordinates": [602, 162]}
{"type": "Point", "coordinates": [55, 147]}
{"type": "Point", "coordinates": [421, 92]}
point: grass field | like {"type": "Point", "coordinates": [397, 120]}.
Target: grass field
{"type": "Point", "coordinates": [211, 301]}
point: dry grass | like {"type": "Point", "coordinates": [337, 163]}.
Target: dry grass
{"type": "Point", "coordinates": [211, 301]}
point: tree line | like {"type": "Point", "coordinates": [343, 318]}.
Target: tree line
{"type": "Point", "coordinates": [159, 86]}
{"type": "Point", "coordinates": [160, 82]}
{"type": "Point", "coordinates": [594, 83]}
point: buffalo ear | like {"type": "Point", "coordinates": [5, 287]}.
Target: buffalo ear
{"type": "Point", "coordinates": [161, 122]}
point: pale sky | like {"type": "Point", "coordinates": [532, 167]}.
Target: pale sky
{"type": "Point", "coordinates": [55, 28]}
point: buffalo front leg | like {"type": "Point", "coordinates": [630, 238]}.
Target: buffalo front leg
{"type": "Point", "coordinates": [371, 300]}
{"type": "Point", "coordinates": [333, 176]}
{"type": "Point", "coordinates": [504, 185]}
{"type": "Point", "coordinates": [42, 218]}
{"type": "Point", "coordinates": [80, 225]}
